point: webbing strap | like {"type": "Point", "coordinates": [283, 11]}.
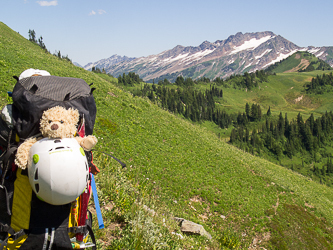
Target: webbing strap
{"type": "Point", "coordinates": [96, 201]}
{"type": "Point", "coordinates": [92, 236]}
{"type": "Point", "coordinates": [4, 189]}
{"type": "Point", "coordinates": [45, 238]}
{"type": "Point", "coordinates": [5, 160]}
{"type": "Point", "coordinates": [52, 238]}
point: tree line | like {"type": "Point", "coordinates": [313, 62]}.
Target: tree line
{"type": "Point", "coordinates": [40, 43]}
{"type": "Point", "coordinates": [130, 79]}
{"type": "Point", "coordinates": [194, 105]}
{"type": "Point", "coordinates": [280, 138]}
{"type": "Point", "coordinates": [320, 84]}
{"type": "Point", "coordinates": [247, 80]}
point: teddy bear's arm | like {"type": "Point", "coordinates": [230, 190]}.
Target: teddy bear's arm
{"type": "Point", "coordinates": [87, 142]}
{"type": "Point", "coordinates": [22, 154]}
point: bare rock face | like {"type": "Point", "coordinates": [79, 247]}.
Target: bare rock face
{"type": "Point", "coordinates": [190, 227]}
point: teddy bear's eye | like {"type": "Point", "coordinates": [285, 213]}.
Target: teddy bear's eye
{"type": "Point", "coordinates": [50, 121]}
{"type": "Point", "coordinates": [61, 121]}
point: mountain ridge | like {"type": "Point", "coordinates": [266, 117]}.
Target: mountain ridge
{"type": "Point", "coordinates": [237, 54]}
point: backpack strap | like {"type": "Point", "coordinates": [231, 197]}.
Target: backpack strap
{"type": "Point", "coordinates": [5, 167]}
{"type": "Point", "coordinates": [5, 162]}
{"type": "Point", "coordinates": [11, 234]}
{"type": "Point", "coordinates": [92, 236]}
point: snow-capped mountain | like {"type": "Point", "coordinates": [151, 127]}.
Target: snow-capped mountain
{"type": "Point", "coordinates": [237, 54]}
{"type": "Point", "coordinates": [108, 62]}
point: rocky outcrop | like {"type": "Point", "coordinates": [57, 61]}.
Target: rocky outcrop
{"type": "Point", "coordinates": [190, 227]}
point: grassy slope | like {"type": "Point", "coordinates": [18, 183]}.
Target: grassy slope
{"type": "Point", "coordinates": [189, 171]}
{"type": "Point", "coordinates": [279, 92]}
{"type": "Point", "coordinates": [295, 62]}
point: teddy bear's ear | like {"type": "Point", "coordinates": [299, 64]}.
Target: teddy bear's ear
{"type": "Point", "coordinates": [74, 115]}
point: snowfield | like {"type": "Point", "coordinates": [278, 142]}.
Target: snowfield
{"type": "Point", "coordinates": [251, 44]}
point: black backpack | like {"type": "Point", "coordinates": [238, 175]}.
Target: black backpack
{"type": "Point", "coordinates": [31, 97]}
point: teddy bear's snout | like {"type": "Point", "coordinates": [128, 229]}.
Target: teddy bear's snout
{"type": "Point", "coordinates": [54, 126]}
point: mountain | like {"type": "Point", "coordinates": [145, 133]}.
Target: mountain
{"type": "Point", "coordinates": [237, 54]}
{"type": "Point", "coordinates": [108, 62]}
{"type": "Point", "coordinates": [77, 64]}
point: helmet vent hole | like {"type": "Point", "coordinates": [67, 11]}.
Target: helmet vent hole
{"type": "Point", "coordinates": [36, 174]}
{"type": "Point", "coordinates": [37, 187]}
{"type": "Point", "coordinates": [50, 149]}
{"type": "Point", "coordinates": [87, 167]}
{"type": "Point", "coordinates": [59, 148]}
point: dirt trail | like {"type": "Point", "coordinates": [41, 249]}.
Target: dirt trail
{"type": "Point", "coordinates": [302, 65]}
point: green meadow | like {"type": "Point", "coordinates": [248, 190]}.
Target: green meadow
{"type": "Point", "coordinates": [179, 169]}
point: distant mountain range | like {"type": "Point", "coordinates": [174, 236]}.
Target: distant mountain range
{"type": "Point", "coordinates": [237, 54]}
{"type": "Point", "coordinates": [108, 62]}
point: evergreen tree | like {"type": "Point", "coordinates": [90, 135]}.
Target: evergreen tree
{"type": "Point", "coordinates": [32, 36]}
{"type": "Point", "coordinates": [269, 111]}
{"type": "Point", "coordinates": [41, 43]}
{"type": "Point", "coordinates": [247, 110]}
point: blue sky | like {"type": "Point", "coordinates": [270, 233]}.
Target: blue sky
{"type": "Point", "coordinates": [88, 31]}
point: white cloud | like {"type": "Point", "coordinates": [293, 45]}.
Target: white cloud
{"type": "Point", "coordinates": [92, 13]}
{"type": "Point", "coordinates": [99, 12]}
{"type": "Point", "coordinates": [48, 3]}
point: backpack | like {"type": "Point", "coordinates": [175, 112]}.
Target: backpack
{"type": "Point", "coordinates": [27, 222]}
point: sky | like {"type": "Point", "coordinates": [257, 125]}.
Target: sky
{"type": "Point", "coordinates": [91, 30]}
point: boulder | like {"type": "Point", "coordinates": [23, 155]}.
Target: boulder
{"type": "Point", "coordinates": [190, 227]}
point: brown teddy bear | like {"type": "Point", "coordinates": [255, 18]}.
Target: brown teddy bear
{"type": "Point", "coordinates": [56, 122]}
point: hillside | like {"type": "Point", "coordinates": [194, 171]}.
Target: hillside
{"type": "Point", "coordinates": [183, 170]}
{"type": "Point", "coordinates": [299, 62]}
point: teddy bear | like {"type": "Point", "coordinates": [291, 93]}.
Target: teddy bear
{"type": "Point", "coordinates": [56, 122]}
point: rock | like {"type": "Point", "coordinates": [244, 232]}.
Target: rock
{"type": "Point", "coordinates": [190, 227]}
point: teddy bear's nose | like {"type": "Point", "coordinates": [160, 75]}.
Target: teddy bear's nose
{"type": "Point", "coordinates": [54, 126]}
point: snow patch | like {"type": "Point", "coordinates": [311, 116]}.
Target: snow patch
{"type": "Point", "coordinates": [314, 50]}
{"type": "Point", "coordinates": [280, 58]}
{"type": "Point", "coordinates": [303, 49]}
{"type": "Point", "coordinates": [175, 58]}
{"type": "Point", "coordinates": [265, 52]}
{"type": "Point", "coordinates": [251, 44]}
{"type": "Point", "coordinates": [246, 66]}
{"type": "Point", "coordinates": [231, 61]}
{"type": "Point", "coordinates": [196, 56]}
{"type": "Point", "coordinates": [320, 54]}
{"type": "Point", "coordinates": [153, 59]}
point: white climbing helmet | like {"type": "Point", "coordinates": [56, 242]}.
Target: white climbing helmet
{"type": "Point", "coordinates": [58, 170]}
{"type": "Point", "coordinates": [33, 72]}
